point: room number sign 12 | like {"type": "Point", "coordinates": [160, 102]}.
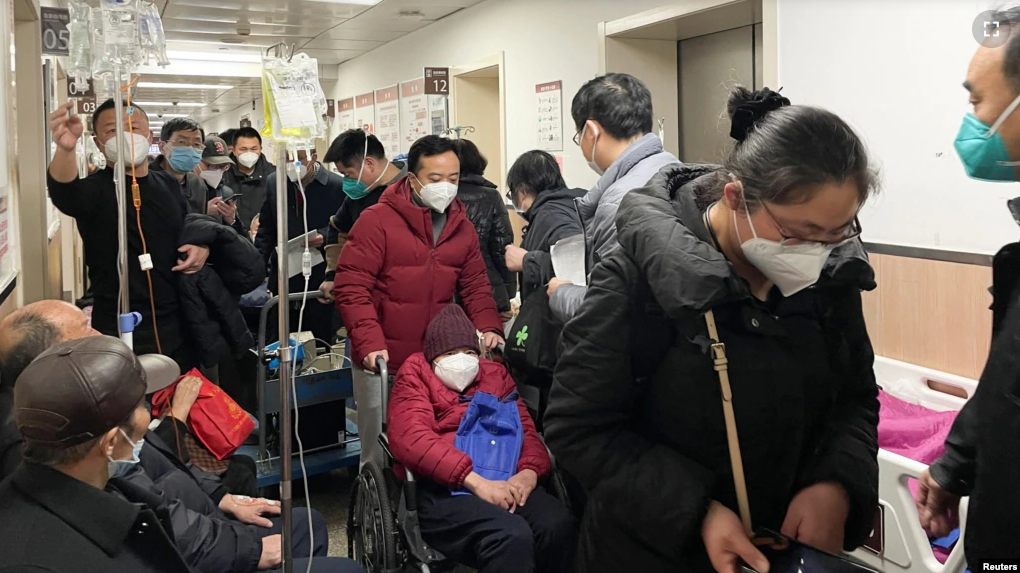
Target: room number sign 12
{"type": "Point", "coordinates": [437, 81]}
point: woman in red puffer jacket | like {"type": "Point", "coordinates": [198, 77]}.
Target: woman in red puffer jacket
{"type": "Point", "coordinates": [455, 420]}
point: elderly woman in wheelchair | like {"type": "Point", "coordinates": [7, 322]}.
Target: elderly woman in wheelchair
{"type": "Point", "coordinates": [456, 422]}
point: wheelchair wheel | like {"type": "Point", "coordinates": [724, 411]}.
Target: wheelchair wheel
{"type": "Point", "coordinates": [371, 524]}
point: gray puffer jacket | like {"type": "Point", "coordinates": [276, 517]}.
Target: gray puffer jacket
{"type": "Point", "coordinates": [631, 170]}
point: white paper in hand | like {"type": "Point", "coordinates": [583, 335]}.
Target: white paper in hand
{"type": "Point", "coordinates": [295, 250]}
{"type": "Point", "coordinates": [568, 260]}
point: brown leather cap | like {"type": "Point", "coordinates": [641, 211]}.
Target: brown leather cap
{"type": "Point", "coordinates": [80, 389]}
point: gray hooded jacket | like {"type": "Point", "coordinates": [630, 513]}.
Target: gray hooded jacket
{"type": "Point", "coordinates": [631, 170]}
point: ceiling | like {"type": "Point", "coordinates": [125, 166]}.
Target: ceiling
{"type": "Point", "coordinates": [231, 35]}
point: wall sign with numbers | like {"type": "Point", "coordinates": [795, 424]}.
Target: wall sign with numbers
{"type": "Point", "coordinates": [437, 81]}
{"type": "Point", "coordinates": [55, 34]}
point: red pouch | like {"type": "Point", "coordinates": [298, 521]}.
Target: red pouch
{"type": "Point", "coordinates": [216, 420]}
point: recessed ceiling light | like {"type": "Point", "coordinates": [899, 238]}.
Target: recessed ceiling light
{"type": "Point", "coordinates": [358, 2]}
{"type": "Point", "coordinates": [232, 40]}
{"type": "Point", "coordinates": [213, 57]}
{"type": "Point", "coordinates": [169, 86]}
{"type": "Point", "coordinates": [171, 115]}
{"type": "Point", "coordinates": [169, 104]}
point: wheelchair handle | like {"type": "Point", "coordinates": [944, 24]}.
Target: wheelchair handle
{"type": "Point", "coordinates": [384, 381]}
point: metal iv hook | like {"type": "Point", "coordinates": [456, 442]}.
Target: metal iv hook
{"type": "Point", "coordinates": [281, 51]}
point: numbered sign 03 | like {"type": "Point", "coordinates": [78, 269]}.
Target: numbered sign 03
{"type": "Point", "coordinates": [55, 35]}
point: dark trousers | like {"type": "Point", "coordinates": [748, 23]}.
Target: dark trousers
{"type": "Point", "coordinates": [539, 536]}
{"type": "Point", "coordinates": [326, 565]}
{"type": "Point", "coordinates": [301, 528]}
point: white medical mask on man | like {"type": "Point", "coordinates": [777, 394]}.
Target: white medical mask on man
{"type": "Point", "coordinates": [792, 268]}
{"type": "Point", "coordinates": [248, 159]}
{"type": "Point", "coordinates": [437, 196]}
{"type": "Point", "coordinates": [595, 143]}
{"type": "Point", "coordinates": [296, 172]}
{"type": "Point", "coordinates": [120, 468]}
{"type": "Point", "coordinates": [137, 146]}
{"type": "Point", "coordinates": [212, 177]}
{"type": "Point", "coordinates": [457, 371]}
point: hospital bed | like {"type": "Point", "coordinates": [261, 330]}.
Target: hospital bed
{"type": "Point", "coordinates": [898, 544]}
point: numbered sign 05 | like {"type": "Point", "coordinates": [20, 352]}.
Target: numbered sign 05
{"type": "Point", "coordinates": [55, 35]}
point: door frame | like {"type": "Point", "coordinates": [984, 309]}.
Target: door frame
{"type": "Point", "coordinates": [496, 60]}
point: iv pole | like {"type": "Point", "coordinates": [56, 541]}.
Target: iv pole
{"type": "Point", "coordinates": [285, 357]}
{"type": "Point", "coordinates": [127, 319]}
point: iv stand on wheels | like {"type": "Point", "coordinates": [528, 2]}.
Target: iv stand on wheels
{"type": "Point", "coordinates": [127, 320]}
{"type": "Point", "coordinates": [286, 359]}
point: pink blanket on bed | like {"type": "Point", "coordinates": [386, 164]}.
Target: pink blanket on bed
{"type": "Point", "coordinates": [912, 431]}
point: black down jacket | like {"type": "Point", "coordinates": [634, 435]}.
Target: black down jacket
{"type": "Point", "coordinates": [981, 450]}
{"type": "Point", "coordinates": [635, 410]}
{"type": "Point", "coordinates": [551, 217]}
{"type": "Point", "coordinates": [208, 540]}
{"type": "Point", "coordinates": [487, 212]}
{"type": "Point", "coordinates": [209, 297]}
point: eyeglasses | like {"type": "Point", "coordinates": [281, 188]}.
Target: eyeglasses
{"type": "Point", "coordinates": [852, 232]}
{"type": "Point", "coordinates": [577, 139]}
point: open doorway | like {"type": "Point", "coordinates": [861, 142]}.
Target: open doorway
{"type": "Point", "coordinates": [690, 55]}
{"type": "Point", "coordinates": [478, 105]}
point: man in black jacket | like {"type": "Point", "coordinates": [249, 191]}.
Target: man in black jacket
{"type": "Point", "coordinates": [180, 148]}
{"type": "Point", "coordinates": [981, 450]}
{"type": "Point", "coordinates": [196, 503]}
{"type": "Point", "coordinates": [81, 409]}
{"type": "Point", "coordinates": [323, 193]}
{"type": "Point", "coordinates": [361, 158]}
{"type": "Point", "coordinates": [247, 176]}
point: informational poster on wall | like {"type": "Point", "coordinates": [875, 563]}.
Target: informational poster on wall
{"type": "Point", "coordinates": [345, 115]}
{"type": "Point", "coordinates": [387, 119]}
{"type": "Point", "coordinates": [364, 112]}
{"type": "Point", "coordinates": [549, 100]}
{"type": "Point", "coordinates": [439, 114]}
{"type": "Point", "coordinates": [414, 113]}
{"type": "Point", "coordinates": [6, 254]}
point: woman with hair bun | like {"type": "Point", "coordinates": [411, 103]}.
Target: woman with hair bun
{"type": "Point", "coordinates": [742, 280]}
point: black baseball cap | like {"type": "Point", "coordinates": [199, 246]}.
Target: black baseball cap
{"type": "Point", "coordinates": [216, 151]}
{"type": "Point", "coordinates": [80, 389]}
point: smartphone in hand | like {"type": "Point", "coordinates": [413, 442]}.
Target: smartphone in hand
{"type": "Point", "coordinates": [788, 555]}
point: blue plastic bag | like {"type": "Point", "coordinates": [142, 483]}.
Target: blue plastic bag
{"type": "Point", "coordinates": [491, 435]}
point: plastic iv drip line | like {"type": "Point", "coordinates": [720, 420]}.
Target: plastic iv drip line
{"type": "Point", "coordinates": [306, 270]}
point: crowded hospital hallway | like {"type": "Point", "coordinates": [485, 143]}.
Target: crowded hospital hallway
{"type": "Point", "coordinates": [510, 286]}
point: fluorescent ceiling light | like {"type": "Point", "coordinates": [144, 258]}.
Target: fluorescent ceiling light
{"type": "Point", "coordinates": [169, 104]}
{"type": "Point", "coordinates": [213, 57]}
{"type": "Point", "coordinates": [168, 114]}
{"type": "Point", "coordinates": [358, 2]}
{"type": "Point", "coordinates": [168, 86]}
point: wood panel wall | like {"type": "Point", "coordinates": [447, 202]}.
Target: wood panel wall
{"type": "Point", "coordinates": [931, 313]}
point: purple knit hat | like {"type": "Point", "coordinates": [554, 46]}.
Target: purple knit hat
{"type": "Point", "coordinates": [449, 330]}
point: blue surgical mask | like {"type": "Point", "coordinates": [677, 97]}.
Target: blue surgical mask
{"type": "Point", "coordinates": [983, 150]}
{"type": "Point", "coordinates": [184, 159]}
{"type": "Point", "coordinates": [120, 468]}
{"type": "Point", "coordinates": [354, 189]}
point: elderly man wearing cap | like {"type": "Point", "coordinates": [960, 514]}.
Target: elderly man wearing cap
{"type": "Point", "coordinates": [81, 409]}
{"type": "Point", "coordinates": [222, 200]}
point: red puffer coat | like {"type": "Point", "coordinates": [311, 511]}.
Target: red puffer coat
{"type": "Point", "coordinates": [424, 415]}
{"type": "Point", "coordinates": [391, 279]}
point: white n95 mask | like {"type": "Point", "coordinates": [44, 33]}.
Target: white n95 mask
{"type": "Point", "coordinates": [437, 196]}
{"type": "Point", "coordinates": [296, 172]}
{"type": "Point", "coordinates": [248, 159]}
{"type": "Point", "coordinates": [139, 151]}
{"type": "Point", "coordinates": [457, 371]}
{"type": "Point", "coordinates": [792, 268]}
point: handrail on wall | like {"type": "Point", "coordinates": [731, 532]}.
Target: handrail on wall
{"type": "Point", "coordinates": [929, 254]}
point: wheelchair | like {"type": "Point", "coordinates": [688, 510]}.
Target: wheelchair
{"type": "Point", "coordinates": [383, 534]}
